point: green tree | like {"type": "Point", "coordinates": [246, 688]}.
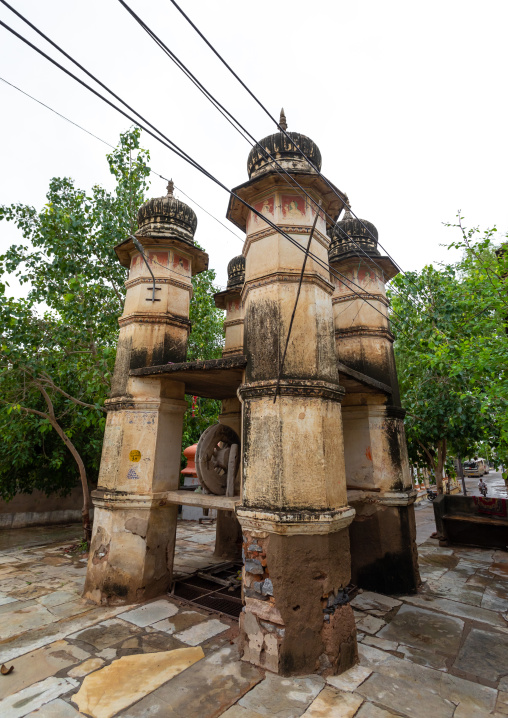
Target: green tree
{"type": "Point", "coordinates": [444, 387]}
{"type": "Point", "coordinates": [58, 346]}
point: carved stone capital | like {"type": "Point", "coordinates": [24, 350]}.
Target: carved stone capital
{"type": "Point", "coordinates": [292, 387]}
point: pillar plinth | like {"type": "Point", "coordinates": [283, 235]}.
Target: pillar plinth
{"type": "Point", "coordinates": [131, 552]}
{"type": "Point", "coordinates": [294, 513]}
{"type": "Point", "coordinates": [383, 534]}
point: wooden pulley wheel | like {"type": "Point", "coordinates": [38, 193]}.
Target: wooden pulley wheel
{"type": "Point", "coordinates": [218, 460]}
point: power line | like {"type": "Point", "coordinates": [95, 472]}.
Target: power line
{"type": "Point", "coordinates": [180, 153]}
{"type": "Point", "coordinates": [233, 121]}
{"type": "Point", "coordinates": [281, 129]}
{"type": "Point", "coordinates": [108, 144]}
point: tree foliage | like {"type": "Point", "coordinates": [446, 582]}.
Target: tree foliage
{"type": "Point", "coordinates": [58, 345]}
{"type": "Point", "coordinates": [451, 350]}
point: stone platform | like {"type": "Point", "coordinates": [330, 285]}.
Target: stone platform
{"type": "Point", "coordinates": [440, 653]}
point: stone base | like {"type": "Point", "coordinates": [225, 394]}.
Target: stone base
{"type": "Point", "coordinates": [131, 554]}
{"type": "Point", "coordinates": [384, 556]}
{"type": "Point", "coordinates": [228, 536]}
{"type": "Point", "coordinates": [296, 619]}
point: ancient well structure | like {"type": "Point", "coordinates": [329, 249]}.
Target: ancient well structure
{"type": "Point", "coordinates": [307, 465]}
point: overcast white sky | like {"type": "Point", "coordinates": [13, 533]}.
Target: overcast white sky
{"type": "Point", "coordinates": [407, 102]}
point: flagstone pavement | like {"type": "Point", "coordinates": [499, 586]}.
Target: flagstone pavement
{"type": "Point", "coordinates": [441, 653]}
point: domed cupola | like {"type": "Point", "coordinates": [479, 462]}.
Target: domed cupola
{"type": "Point", "coordinates": [168, 217]}
{"type": "Point", "coordinates": [349, 234]}
{"type": "Point", "coordinates": [236, 272]}
{"type": "Point", "coordinates": [284, 151]}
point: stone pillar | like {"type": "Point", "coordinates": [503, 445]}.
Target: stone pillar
{"type": "Point", "coordinates": [131, 552]}
{"type": "Point", "coordinates": [228, 539]}
{"type": "Point", "coordinates": [383, 549]}
{"type": "Point", "coordinates": [294, 512]}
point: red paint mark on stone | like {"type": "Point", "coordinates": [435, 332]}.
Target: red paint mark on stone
{"type": "Point", "coordinates": [368, 453]}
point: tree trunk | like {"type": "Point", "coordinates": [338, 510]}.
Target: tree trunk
{"type": "Point", "coordinates": [441, 460]}
{"type": "Point", "coordinates": [85, 511]}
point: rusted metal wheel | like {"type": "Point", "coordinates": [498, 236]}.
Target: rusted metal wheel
{"type": "Point", "coordinates": [217, 455]}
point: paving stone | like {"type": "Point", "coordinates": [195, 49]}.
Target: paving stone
{"type": "Point", "coordinates": [333, 704]}
{"type": "Point", "coordinates": [23, 619]}
{"type": "Point", "coordinates": [106, 634]}
{"type": "Point", "coordinates": [484, 654]}
{"type": "Point", "coordinates": [369, 710]}
{"type": "Point", "coordinates": [201, 632]}
{"type": "Point", "coordinates": [369, 624]}
{"type": "Point", "coordinates": [502, 703]}
{"type": "Point", "coordinates": [56, 598]}
{"type": "Point", "coordinates": [463, 592]}
{"type": "Point", "coordinates": [72, 608]}
{"type": "Point", "coordinates": [31, 640]}
{"type": "Point", "coordinates": [40, 664]}
{"type": "Point", "coordinates": [349, 680]}
{"type": "Point", "coordinates": [29, 699]}
{"type": "Point", "coordinates": [409, 698]}
{"type": "Point", "coordinates": [420, 628]}
{"type": "Point", "coordinates": [92, 664]}
{"type": "Point", "coordinates": [283, 697]}
{"type": "Point", "coordinates": [205, 690]}
{"type": "Point", "coordinates": [125, 681]}
{"type": "Point", "coordinates": [150, 613]}
{"type": "Point", "coordinates": [107, 654]}
{"type": "Point", "coordinates": [381, 643]}
{"type": "Point", "coordinates": [492, 601]}
{"type": "Point", "coordinates": [375, 603]}
{"type": "Point", "coordinates": [503, 684]}
{"type": "Point", "coordinates": [55, 709]}
{"type": "Point", "coordinates": [7, 599]}
{"type": "Point", "coordinates": [424, 658]}
{"type": "Point", "coordinates": [470, 698]}
{"type": "Point", "coordinates": [239, 712]}
{"type": "Point", "coordinates": [439, 560]}
{"type": "Point", "coordinates": [179, 622]}
{"type": "Point", "coordinates": [454, 608]}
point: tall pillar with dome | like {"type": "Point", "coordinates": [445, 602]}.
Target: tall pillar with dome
{"type": "Point", "coordinates": [383, 534]}
{"type": "Point", "coordinates": [134, 526]}
{"type": "Point", "coordinates": [293, 511]}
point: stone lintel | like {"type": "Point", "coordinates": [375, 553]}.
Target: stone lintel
{"type": "Point", "coordinates": [333, 199]}
{"type": "Point", "coordinates": [364, 331]}
{"type": "Point", "coordinates": [384, 264]}
{"type": "Point", "coordinates": [288, 277]}
{"type": "Point", "coordinates": [221, 298]}
{"type": "Point", "coordinates": [155, 318]}
{"type": "Point", "coordinates": [292, 387]}
{"type": "Point", "coordinates": [367, 296]}
{"type": "Point", "coordinates": [152, 404]}
{"type": "Point", "coordinates": [363, 378]}
{"type": "Point", "coordinates": [125, 249]}
{"type": "Point", "coordinates": [291, 523]}
{"type": "Point", "coordinates": [385, 498]}
{"type": "Point", "coordinates": [116, 500]}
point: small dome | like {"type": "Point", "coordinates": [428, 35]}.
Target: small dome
{"type": "Point", "coordinates": [350, 232]}
{"type": "Point", "coordinates": [167, 216]}
{"type": "Point", "coordinates": [236, 272]}
{"type": "Point", "coordinates": [284, 151]}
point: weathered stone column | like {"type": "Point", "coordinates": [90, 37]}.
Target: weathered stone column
{"type": "Point", "coordinates": [294, 512]}
{"type": "Point", "coordinates": [131, 553]}
{"type": "Point", "coordinates": [228, 539]}
{"type": "Point", "coordinates": [383, 549]}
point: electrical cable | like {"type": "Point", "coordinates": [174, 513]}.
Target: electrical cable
{"type": "Point", "coordinates": [219, 56]}
{"type": "Point", "coordinates": [108, 144]}
{"type": "Point", "coordinates": [291, 181]}
{"type": "Point", "coordinates": [180, 153]}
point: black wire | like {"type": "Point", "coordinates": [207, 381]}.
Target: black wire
{"type": "Point", "coordinates": [243, 131]}
{"type": "Point", "coordinates": [212, 48]}
{"type": "Point", "coordinates": [180, 153]}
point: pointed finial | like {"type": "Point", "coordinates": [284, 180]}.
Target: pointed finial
{"type": "Point", "coordinates": [170, 188]}
{"type": "Point", "coordinates": [283, 122]}
{"type": "Point", "coordinates": [347, 213]}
